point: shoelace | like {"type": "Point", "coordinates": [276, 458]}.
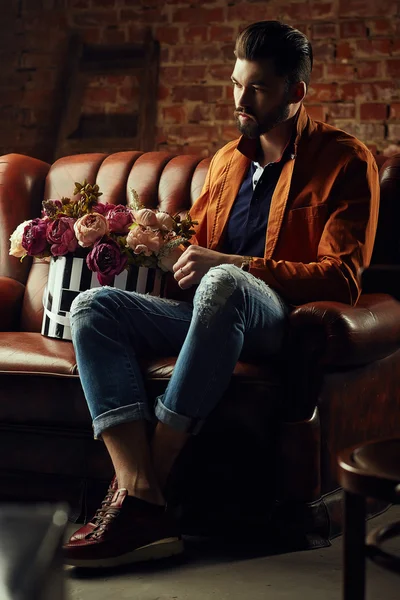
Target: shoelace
{"type": "Point", "coordinates": [104, 505]}
{"type": "Point", "coordinates": [105, 521]}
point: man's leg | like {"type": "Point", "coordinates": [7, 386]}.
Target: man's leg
{"type": "Point", "coordinates": [111, 331]}
{"type": "Point", "coordinates": [234, 315]}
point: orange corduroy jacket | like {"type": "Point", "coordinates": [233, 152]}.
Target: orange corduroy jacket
{"type": "Point", "coordinates": [323, 214]}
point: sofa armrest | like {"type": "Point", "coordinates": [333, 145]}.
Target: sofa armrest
{"type": "Point", "coordinates": [381, 279]}
{"type": "Point", "coordinates": [11, 295]}
{"type": "Point", "coordinates": [345, 336]}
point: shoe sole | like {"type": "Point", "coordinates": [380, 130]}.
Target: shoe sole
{"type": "Point", "coordinates": [160, 549]}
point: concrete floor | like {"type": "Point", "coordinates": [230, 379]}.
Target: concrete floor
{"type": "Point", "coordinates": [211, 571]}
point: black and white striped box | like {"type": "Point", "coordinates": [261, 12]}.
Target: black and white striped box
{"type": "Point", "coordinates": [68, 276]}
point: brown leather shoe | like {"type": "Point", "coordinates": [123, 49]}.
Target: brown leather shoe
{"type": "Point", "coordinates": [128, 530]}
{"type": "Point", "coordinates": [82, 532]}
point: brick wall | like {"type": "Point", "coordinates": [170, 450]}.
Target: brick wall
{"type": "Point", "coordinates": [354, 85]}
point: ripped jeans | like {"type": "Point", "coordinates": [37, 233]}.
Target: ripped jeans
{"type": "Point", "coordinates": [233, 315]}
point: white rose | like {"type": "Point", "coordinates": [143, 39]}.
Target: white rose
{"type": "Point", "coordinates": [16, 248]}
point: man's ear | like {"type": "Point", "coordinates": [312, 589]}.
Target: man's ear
{"type": "Point", "coordinates": [298, 92]}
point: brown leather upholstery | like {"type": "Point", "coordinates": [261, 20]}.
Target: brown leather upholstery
{"type": "Point", "coordinates": [336, 384]}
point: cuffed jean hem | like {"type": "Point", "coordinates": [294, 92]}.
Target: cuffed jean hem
{"type": "Point", "coordinates": [116, 416]}
{"type": "Point", "coordinates": [176, 421]}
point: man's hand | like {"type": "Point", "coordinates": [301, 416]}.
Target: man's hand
{"type": "Point", "coordinates": [196, 261]}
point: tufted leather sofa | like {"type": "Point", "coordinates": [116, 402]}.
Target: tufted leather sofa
{"type": "Point", "coordinates": [267, 455]}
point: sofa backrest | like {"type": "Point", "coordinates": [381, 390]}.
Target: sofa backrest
{"type": "Point", "coordinates": [162, 180]}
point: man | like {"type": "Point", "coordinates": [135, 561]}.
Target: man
{"type": "Point", "coordinates": [287, 215]}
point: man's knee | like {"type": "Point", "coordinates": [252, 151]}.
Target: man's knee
{"type": "Point", "coordinates": [85, 301]}
{"type": "Point", "coordinates": [214, 291]}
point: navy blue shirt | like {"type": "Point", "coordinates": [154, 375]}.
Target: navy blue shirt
{"type": "Point", "coordinates": [247, 225]}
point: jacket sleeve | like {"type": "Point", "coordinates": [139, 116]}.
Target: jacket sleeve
{"type": "Point", "coordinates": [199, 210]}
{"type": "Point", "coordinates": [345, 246]}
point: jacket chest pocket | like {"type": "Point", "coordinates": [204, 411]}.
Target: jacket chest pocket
{"type": "Point", "coordinates": [301, 233]}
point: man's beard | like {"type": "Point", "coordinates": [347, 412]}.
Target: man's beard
{"type": "Point", "coordinates": [253, 129]}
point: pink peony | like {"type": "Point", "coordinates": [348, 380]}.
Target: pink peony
{"type": "Point", "coordinates": [165, 221]}
{"type": "Point", "coordinates": [107, 260]}
{"type": "Point", "coordinates": [146, 217]}
{"type": "Point", "coordinates": [90, 228]}
{"type": "Point", "coordinates": [100, 208]}
{"type": "Point", "coordinates": [119, 218]}
{"type": "Point", "coordinates": [144, 240]}
{"type": "Point", "coordinates": [60, 234]}
{"type": "Point", "coordinates": [34, 237]}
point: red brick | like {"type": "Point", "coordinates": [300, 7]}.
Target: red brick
{"type": "Point", "coordinates": [323, 92]}
{"type": "Point", "coordinates": [316, 112]}
{"type": "Point", "coordinates": [353, 29]}
{"type": "Point", "coordinates": [174, 114]}
{"type": "Point", "coordinates": [224, 112]}
{"type": "Point", "coordinates": [371, 48]}
{"type": "Point", "coordinates": [380, 90]}
{"type": "Point", "coordinates": [373, 112]}
{"type": "Point", "coordinates": [341, 110]}
{"type": "Point", "coordinates": [194, 73]}
{"type": "Point", "coordinates": [195, 14]}
{"type": "Point", "coordinates": [323, 10]}
{"type": "Point", "coordinates": [391, 150]}
{"type": "Point", "coordinates": [227, 52]}
{"type": "Point", "coordinates": [128, 94]}
{"type": "Point", "coordinates": [393, 67]}
{"type": "Point", "coordinates": [198, 150]}
{"type": "Point", "coordinates": [201, 53]}
{"type": "Point", "coordinates": [323, 52]}
{"type": "Point", "coordinates": [164, 54]}
{"type": "Point", "coordinates": [369, 69]}
{"type": "Point", "coordinates": [163, 92]}
{"type": "Point", "coordinates": [220, 72]}
{"type": "Point", "coordinates": [317, 72]}
{"type": "Point", "coordinates": [394, 132]}
{"type": "Point", "coordinates": [339, 72]}
{"type": "Point", "coordinates": [195, 33]}
{"type": "Point", "coordinates": [220, 33]}
{"type": "Point", "coordinates": [323, 30]}
{"type": "Point", "coordinates": [228, 92]}
{"type": "Point", "coordinates": [246, 12]}
{"type": "Point", "coordinates": [170, 74]}
{"type": "Point", "coordinates": [301, 10]}
{"type": "Point", "coordinates": [143, 16]}
{"type": "Point", "coordinates": [396, 47]}
{"type": "Point", "coordinates": [379, 27]}
{"type": "Point", "coordinates": [100, 95]}
{"type": "Point", "coordinates": [366, 132]}
{"type": "Point", "coordinates": [362, 8]}
{"type": "Point", "coordinates": [79, 4]}
{"type": "Point", "coordinates": [198, 113]}
{"type": "Point", "coordinates": [199, 93]}
{"type": "Point", "coordinates": [96, 17]}
{"type": "Point", "coordinates": [344, 51]}
{"type": "Point", "coordinates": [395, 110]}
{"type": "Point", "coordinates": [167, 35]}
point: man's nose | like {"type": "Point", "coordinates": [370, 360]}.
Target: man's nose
{"type": "Point", "coordinates": [244, 97]}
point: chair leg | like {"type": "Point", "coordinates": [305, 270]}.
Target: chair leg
{"type": "Point", "coordinates": [354, 547]}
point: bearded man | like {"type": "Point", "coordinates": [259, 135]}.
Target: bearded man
{"type": "Point", "coordinates": [287, 215]}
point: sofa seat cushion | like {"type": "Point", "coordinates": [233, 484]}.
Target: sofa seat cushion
{"type": "Point", "coordinates": [32, 365]}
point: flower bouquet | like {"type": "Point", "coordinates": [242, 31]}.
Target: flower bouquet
{"type": "Point", "coordinates": [90, 244]}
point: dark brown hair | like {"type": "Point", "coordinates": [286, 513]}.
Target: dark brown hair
{"type": "Point", "coordinates": [288, 48]}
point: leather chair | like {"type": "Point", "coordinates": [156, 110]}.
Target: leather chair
{"type": "Point", "coordinates": [267, 455]}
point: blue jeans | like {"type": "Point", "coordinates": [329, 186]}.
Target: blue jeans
{"type": "Point", "coordinates": [233, 315]}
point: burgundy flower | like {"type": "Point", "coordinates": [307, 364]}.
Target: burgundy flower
{"type": "Point", "coordinates": [107, 260]}
{"type": "Point", "coordinates": [100, 208]}
{"type": "Point", "coordinates": [61, 236]}
{"type": "Point", "coordinates": [34, 237]}
{"type": "Point", "coordinates": [119, 218]}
